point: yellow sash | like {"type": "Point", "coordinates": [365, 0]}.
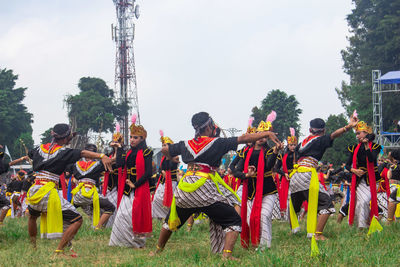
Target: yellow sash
{"type": "Point", "coordinates": [52, 221]}
{"type": "Point", "coordinates": [312, 204]}
{"type": "Point", "coordinates": [174, 221]}
{"type": "Point", "coordinates": [89, 194]}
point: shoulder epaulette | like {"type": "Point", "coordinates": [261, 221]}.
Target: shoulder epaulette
{"type": "Point", "coordinates": [269, 152]}
{"type": "Point", "coordinates": [376, 146]}
{"type": "Point", "coordinates": [147, 151]}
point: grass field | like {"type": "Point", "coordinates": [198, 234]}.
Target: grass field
{"type": "Point", "coordinates": [345, 247]}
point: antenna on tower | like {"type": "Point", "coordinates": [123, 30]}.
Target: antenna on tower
{"type": "Point", "coordinates": [123, 35]}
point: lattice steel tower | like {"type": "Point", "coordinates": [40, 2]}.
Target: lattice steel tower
{"type": "Point", "coordinates": [125, 75]}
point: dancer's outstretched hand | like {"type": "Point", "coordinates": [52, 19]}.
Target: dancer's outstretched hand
{"type": "Point", "coordinates": [272, 136]}
{"type": "Point", "coordinates": [107, 162]}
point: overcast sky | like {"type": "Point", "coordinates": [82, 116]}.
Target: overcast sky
{"type": "Point", "coordinates": [217, 56]}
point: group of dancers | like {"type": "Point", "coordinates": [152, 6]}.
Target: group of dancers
{"type": "Point", "coordinates": [263, 182]}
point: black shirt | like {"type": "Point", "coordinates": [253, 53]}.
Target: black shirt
{"type": "Point", "coordinates": [315, 147]}
{"type": "Point", "coordinates": [269, 186]}
{"type": "Point", "coordinates": [206, 150]}
{"type": "Point", "coordinates": [169, 165]}
{"type": "Point", "coordinates": [88, 169]}
{"type": "Point", "coordinates": [362, 160]}
{"type": "Point", "coordinates": [291, 159]}
{"type": "Point", "coordinates": [4, 167]}
{"type": "Point", "coordinates": [54, 161]}
{"type": "Point", "coordinates": [130, 164]}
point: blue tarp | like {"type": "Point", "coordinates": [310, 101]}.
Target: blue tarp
{"type": "Point", "coordinates": [391, 77]}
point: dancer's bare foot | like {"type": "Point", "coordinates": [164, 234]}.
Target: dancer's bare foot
{"type": "Point", "coordinates": [228, 256]}
{"type": "Point", "coordinates": [155, 252]}
{"type": "Point", "coordinates": [320, 237]}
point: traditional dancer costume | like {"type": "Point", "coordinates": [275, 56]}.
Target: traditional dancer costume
{"type": "Point", "coordinates": [133, 219]}
{"type": "Point", "coordinates": [197, 190]}
{"type": "Point", "coordinates": [363, 188]}
{"type": "Point", "coordinates": [110, 183]}
{"type": "Point", "coordinates": [284, 166]}
{"type": "Point", "coordinates": [50, 161]}
{"type": "Point", "coordinates": [259, 192]}
{"type": "Point", "coordinates": [86, 194]}
{"type": "Point", "coordinates": [166, 183]}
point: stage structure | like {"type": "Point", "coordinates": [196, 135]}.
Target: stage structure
{"type": "Point", "coordinates": [125, 74]}
{"type": "Point", "coordinates": [388, 83]}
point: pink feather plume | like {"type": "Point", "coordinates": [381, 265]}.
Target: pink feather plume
{"type": "Point", "coordinates": [161, 133]}
{"type": "Point", "coordinates": [133, 119]}
{"type": "Point", "coordinates": [292, 131]}
{"type": "Point", "coordinates": [271, 116]}
{"type": "Point", "coordinates": [117, 127]}
{"type": "Point", "coordinates": [355, 115]}
{"type": "Point", "coordinates": [251, 119]}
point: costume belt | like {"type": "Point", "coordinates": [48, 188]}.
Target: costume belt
{"type": "Point", "coordinates": [43, 181]}
{"type": "Point", "coordinates": [52, 221]}
{"type": "Point", "coordinates": [91, 194]}
{"type": "Point", "coordinates": [308, 162]}
{"type": "Point", "coordinates": [201, 171]}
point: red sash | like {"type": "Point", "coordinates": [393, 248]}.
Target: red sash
{"type": "Point", "coordinates": [372, 186]}
{"type": "Point", "coordinates": [167, 200]}
{"type": "Point", "coordinates": [121, 180]}
{"type": "Point", "coordinates": [284, 185]}
{"type": "Point", "coordinates": [63, 186]}
{"type": "Point", "coordinates": [159, 178]}
{"type": "Point", "coordinates": [141, 206]}
{"type": "Point", "coordinates": [255, 217]}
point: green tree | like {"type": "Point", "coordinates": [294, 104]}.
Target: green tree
{"type": "Point", "coordinates": [287, 109]}
{"type": "Point", "coordinates": [338, 153]}
{"type": "Point", "coordinates": [94, 108]}
{"type": "Point", "coordinates": [15, 120]}
{"type": "Point", "coordinates": [374, 44]}
{"type": "Point", "coordinates": [46, 136]}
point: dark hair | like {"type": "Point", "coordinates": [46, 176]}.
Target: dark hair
{"type": "Point", "coordinates": [199, 119]}
{"type": "Point", "coordinates": [370, 137]}
{"type": "Point", "coordinates": [61, 131]}
{"type": "Point", "coordinates": [91, 147]}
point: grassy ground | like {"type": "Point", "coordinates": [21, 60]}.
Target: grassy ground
{"type": "Point", "coordinates": [345, 247]}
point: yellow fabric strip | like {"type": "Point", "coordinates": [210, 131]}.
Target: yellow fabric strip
{"type": "Point", "coordinates": [52, 221]}
{"type": "Point", "coordinates": [397, 213]}
{"type": "Point", "coordinates": [293, 217]}
{"type": "Point", "coordinates": [173, 220]}
{"type": "Point", "coordinates": [312, 204]}
{"type": "Point", "coordinates": [92, 193]}
{"type": "Point", "coordinates": [374, 226]}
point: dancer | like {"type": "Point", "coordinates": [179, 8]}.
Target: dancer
{"type": "Point", "coordinates": [166, 183]}
{"type": "Point", "coordinates": [85, 195]}
{"type": "Point", "coordinates": [394, 178]}
{"type": "Point", "coordinates": [304, 179]}
{"type": "Point", "coordinates": [362, 163]}
{"type": "Point", "coordinates": [284, 166]}
{"type": "Point", "coordinates": [110, 183]}
{"type": "Point", "coordinates": [197, 190]}
{"type": "Point", "coordinates": [50, 161]}
{"type": "Point", "coordinates": [133, 222]}
{"type": "Point", "coordinates": [259, 190]}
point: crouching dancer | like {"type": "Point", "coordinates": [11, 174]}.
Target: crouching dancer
{"type": "Point", "coordinates": [202, 189]}
{"type": "Point", "coordinates": [49, 161]}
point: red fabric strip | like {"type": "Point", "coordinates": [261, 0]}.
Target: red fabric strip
{"type": "Point", "coordinates": [255, 217]}
{"type": "Point", "coordinates": [141, 206]}
{"type": "Point", "coordinates": [63, 186]}
{"type": "Point", "coordinates": [122, 176]}
{"type": "Point", "coordinates": [167, 200]}
{"type": "Point", "coordinates": [245, 234]}
{"type": "Point", "coordinates": [352, 205]}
